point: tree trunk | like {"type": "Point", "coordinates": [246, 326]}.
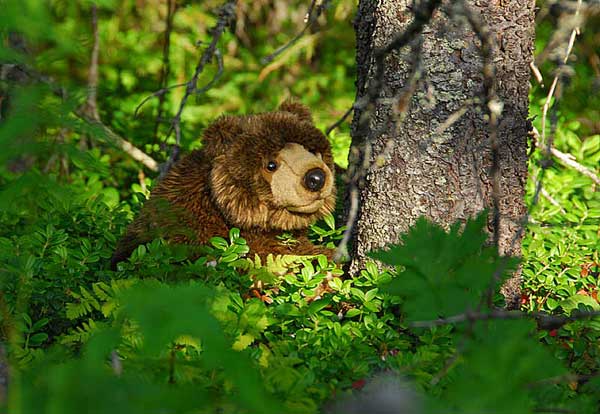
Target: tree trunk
{"type": "Point", "coordinates": [435, 168]}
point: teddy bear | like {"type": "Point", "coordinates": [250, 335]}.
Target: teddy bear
{"type": "Point", "coordinates": [265, 174]}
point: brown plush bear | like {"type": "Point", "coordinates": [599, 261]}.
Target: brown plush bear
{"type": "Point", "coordinates": [264, 174]}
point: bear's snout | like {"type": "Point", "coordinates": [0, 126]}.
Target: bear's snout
{"type": "Point", "coordinates": [302, 181]}
{"type": "Point", "coordinates": [314, 180]}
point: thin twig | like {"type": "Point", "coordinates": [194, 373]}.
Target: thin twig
{"type": "Point", "coordinates": [365, 107]}
{"type": "Point", "coordinates": [339, 121]}
{"type": "Point", "coordinates": [226, 16]}
{"type": "Point", "coordinates": [158, 93]}
{"type": "Point", "coordinates": [314, 11]}
{"type": "Point", "coordinates": [552, 201]}
{"type": "Point", "coordinates": [166, 66]}
{"type": "Point", "coordinates": [91, 106]}
{"type": "Point", "coordinates": [536, 72]}
{"type": "Point", "coordinates": [217, 76]}
{"type": "Point", "coordinates": [113, 137]}
{"type": "Point", "coordinates": [560, 73]}
{"type": "Point", "coordinates": [566, 159]}
{"type": "Point", "coordinates": [453, 117]}
{"type": "Point", "coordinates": [544, 320]}
{"type": "Point", "coordinates": [134, 152]}
{"type": "Point", "coordinates": [163, 91]}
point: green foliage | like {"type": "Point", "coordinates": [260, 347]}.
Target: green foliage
{"type": "Point", "coordinates": [561, 249]}
{"type": "Point", "coordinates": [495, 350]}
{"type": "Point", "coordinates": [488, 371]}
{"type": "Point", "coordinates": [457, 275]}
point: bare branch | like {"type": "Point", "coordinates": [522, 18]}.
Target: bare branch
{"type": "Point", "coordinates": [544, 320]}
{"type": "Point", "coordinates": [560, 73]}
{"type": "Point", "coordinates": [134, 152]}
{"type": "Point", "coordinates": [536, 72]}
{"type": "Point", "coordinates": [217, 76]}
{"type": "Point", "coordinates": [551, 200]}
{"type": "Point", "coordinates": [158, 93]}
{"type": "Point", "coordinates": [339, 121]}
{"type": "Point", "coordinates": [116, 364]}
{"type": "Point", "coordinates": [566, 159]}
{"type": "Point", "coordinates": [314, 11]}
{"type": "Point", "coordinates": [454, 117]}
{"type": "Point", "coordinates": [90, 107]}
{"type": "Point", "coordinates": [166, 67]}
{"type": "Point", "coordinates": [226, 16]}
{"type": "Point", "coordinates": [364, 108]}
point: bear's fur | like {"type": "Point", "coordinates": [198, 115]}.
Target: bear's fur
{"type": "Point", "coordinates": [231, 182]}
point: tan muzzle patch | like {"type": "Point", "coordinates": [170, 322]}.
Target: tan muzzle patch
{"type": "Point", "coordinates": [302, 180]}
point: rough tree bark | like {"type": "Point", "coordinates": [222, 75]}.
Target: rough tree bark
{"type": "Point", "coordinates": [436, 170]}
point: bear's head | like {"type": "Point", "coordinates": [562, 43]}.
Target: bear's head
{"type": "Point", "coordinates": [272, 171]}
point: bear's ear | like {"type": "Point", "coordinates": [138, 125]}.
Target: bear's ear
{"type": "Point", "coordinates": [219, 135]}
{"type": "Point", "coordinates": [295, 107]}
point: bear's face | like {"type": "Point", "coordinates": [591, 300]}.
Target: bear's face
{"type": "Point", "coordinates": [272, 171]}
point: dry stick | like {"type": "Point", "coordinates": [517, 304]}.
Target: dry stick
{"type": "Point", "coordinates": [226, 15]}
{"type": "Point", "coordinates": [210, 84]}
{"type": "Point", "coordinates": [158, 93]}
{"type": "Point", "coordinates": [552, 201]}
{"type": "Point", "coordinates": [574, 9]}
{"type": "Point", "coordinates": [566, 159]}
{"type": "Point", "coordinates": [572, 37]}
{"type": "Point", "coordinates": [92, 95]}
{"type": "Point", "coordinates": [314, 11]}
{"type": "Point", "coordinates": [90, 107]}
{"type": "Point", "coordinates": [544, 320]}
{"type": "Point", "coordinates": [217, 76]}
{"type": "Point", "coordinates": [339, 121]}
{"type": "Point", "coordinates": [356, 171]}
{"type": "Point", "coordinates": [90, 110]}
{"type": "Point", "coordinates": [120, 142]}
{"type": "Point", "coordinates": [536, 72]}
{"type": "Point", "coordinates": [454, 117]}
{"type": "Point", "coordinates": [134, 152]}
{"type": "Point", "coordinates": [166, 66]}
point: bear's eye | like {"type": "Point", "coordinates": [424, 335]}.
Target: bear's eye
{"type": "Point", "coordinates": [271, 166]}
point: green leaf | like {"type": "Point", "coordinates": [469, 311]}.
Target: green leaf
{"type": "Point", "coordinates": [573, 302]}
{"type": "Point", "coordinates": [445, 272]}
{"type": "Point", "coordinates": [39, 324]}
{"type": "Point", "coordinates": [38, 338]}
{"type": "Point", "coordinates": [242, 342]}
{"type": "Point", "coordinates": [234, 234]}
{"type": "Point", "coordinates": [370, 295]}
{"type": "Point", "coordinates": [219, 243]}
{"type": "Point", "coordinates": [352, 313]}
{"type": "Point", "coordinates": [318, 305]}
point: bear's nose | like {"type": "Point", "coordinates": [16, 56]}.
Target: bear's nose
{"type": "Point", "coordinates": [314, 180]}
